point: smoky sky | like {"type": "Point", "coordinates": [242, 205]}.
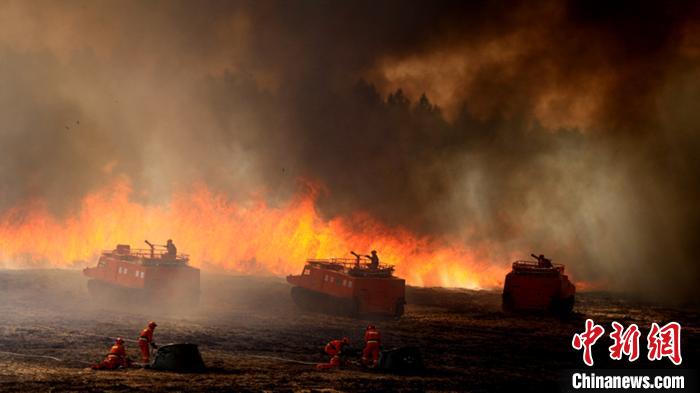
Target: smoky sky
{"type": "Point", "coordinates": [564, 128]}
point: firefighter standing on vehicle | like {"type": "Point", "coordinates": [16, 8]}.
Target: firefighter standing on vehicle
{"type": "Point", "coordinates": [115, 359]}
{"type": "Point", "coordinates": [373, 260]}
{"type": "Point", "coordinates": [146, 341]}
{"type": "Point", "coordinates": [334, 349]}
{"type": "Point", "coordinates": [370, 354]}
{"type": "Point", "coordinates": [542, 261]}
{"type": "Point", "coordinates": [172, 250]}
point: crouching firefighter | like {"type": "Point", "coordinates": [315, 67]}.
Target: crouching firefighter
{"type": "Point", "coordinates": [334, 349]}
{"type": "Point", "coordinates": [370, 354]}
{"type": "Point", "coordinates": [115, 359]}
{"type": "Point", "coordinates": [146, 341]}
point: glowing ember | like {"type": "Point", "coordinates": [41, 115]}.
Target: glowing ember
{"type": "Point", "coordinates": [220, 234]}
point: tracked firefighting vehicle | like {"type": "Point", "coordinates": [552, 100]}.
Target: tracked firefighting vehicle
{"type": "Point", "coordinates": [348, 287]}
{"type": "Point", "coordinates": [144, 276]}
{"type": "Point", "coordinates": [538, 286]}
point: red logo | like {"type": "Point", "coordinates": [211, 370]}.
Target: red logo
{"type": "Point", "coordinates": [661, 341]}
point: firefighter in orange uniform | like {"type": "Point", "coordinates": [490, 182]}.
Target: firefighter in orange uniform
{"type": "Point", "coordinates": [334, 349]}
{"type": "Point", "coordinates": [146, 340]}
{"type": "Point", "coordinates": [370, 355]}
{"type": "Point", "coordinates": [115, 359]}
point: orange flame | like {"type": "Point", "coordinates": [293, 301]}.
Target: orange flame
{"type": "Point", "coordinates": [220, 234]}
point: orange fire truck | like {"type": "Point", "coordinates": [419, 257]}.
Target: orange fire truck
{"type": "Point", "coordinates": [530, 286]}
{"type": "Point", "coordinates": [348, 287]}
{"type": "Point", "coordinates": [144, 275]}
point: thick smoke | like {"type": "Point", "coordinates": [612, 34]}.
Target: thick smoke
{"type": "Point", "coordinates": [563, 128]}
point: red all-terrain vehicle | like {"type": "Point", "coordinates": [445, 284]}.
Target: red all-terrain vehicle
{"type": "Point", "coordinates": [534, 286]}
{"type": "Point", "coordinates": [348, 287]}
{"type": "Point", "coordinates": [145, 276]}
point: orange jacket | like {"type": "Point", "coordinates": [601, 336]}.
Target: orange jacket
{"type": "Point", "coordinates": [372, 335]}
{"type": "Point", "coordinates": [334, 347]}
{"type": "Point", "coordinates": [147, 335]}
{"type": "Point", "coordinates": [117, 350]}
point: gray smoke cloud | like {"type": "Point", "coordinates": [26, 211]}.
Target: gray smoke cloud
{"type": "Point", "coordinates": [563, 128]}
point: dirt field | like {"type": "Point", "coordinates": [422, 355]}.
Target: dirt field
{"type": "Point", "coordinates": [245, 323]}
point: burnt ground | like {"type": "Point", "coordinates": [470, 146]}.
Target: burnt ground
{"type": "Point", "coordinates": [246, 326]}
